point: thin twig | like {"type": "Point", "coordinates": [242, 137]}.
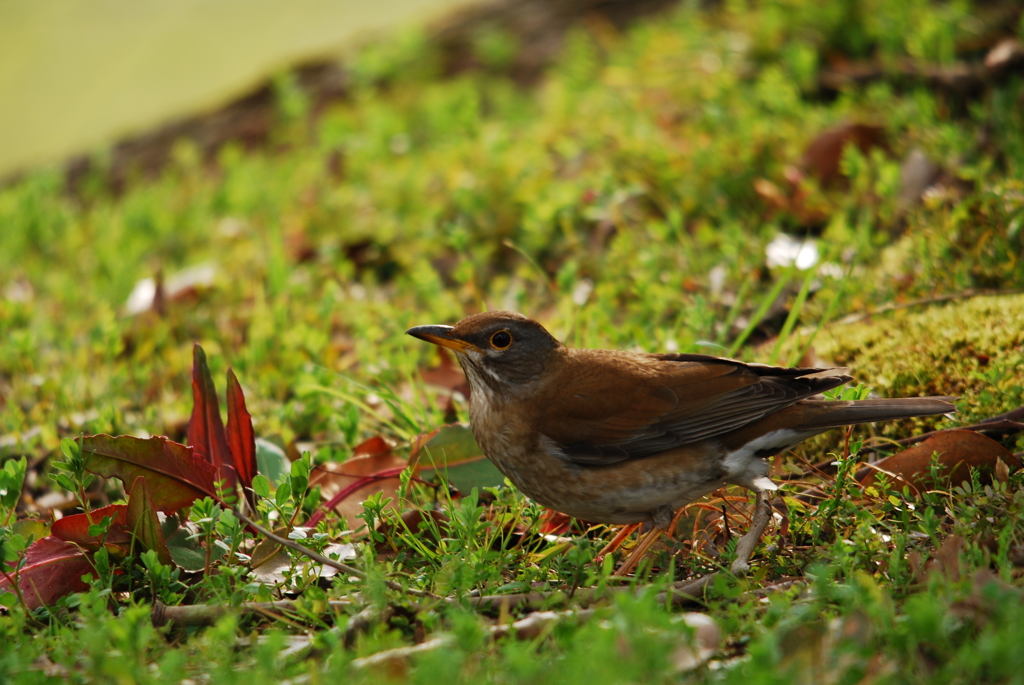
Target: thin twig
{"type": "Point", "coordinates": [533, 626]}
{"type": "Point", "coordinates": [399, 655]}
{"type": "Point", "coordinates": [537, 600]}
{"type": "Point", "coordinates": [686, 592]}
{"type": "Point", "coordinates": [208, 614]}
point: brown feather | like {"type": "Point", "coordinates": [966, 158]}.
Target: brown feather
{"type": "Point", "coordinates": [817, 416]}
{"type": "Point", "coordinates": [626, 405]}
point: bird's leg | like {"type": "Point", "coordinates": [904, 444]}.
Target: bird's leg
{"type": "Point", "coordinates": [747, 543]}
{"type": "Point", "coordinates": [662, 517]}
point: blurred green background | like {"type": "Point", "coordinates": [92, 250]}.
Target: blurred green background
{"type": "Point", "coordinates": [77, 74]}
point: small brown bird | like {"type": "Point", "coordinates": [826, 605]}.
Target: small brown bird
{"type": "Point", "coordinates": [621, 437]}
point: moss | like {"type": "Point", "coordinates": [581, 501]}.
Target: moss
{"type": "Point", "coordinates": [972, 348]}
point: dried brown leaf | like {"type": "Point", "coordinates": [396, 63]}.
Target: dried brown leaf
{"type": "Point", "coordinates": [958, 450]}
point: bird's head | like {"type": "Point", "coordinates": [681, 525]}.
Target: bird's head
{"type": "Point", "coordinates": [499, 349]}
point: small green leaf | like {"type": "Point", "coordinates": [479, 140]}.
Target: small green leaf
{"type": "Point", "coordinates": [284, 491]}
{"type": "Point", "coordinates": [298, 485]}
{"type": "Point", "coordinates": [12, 478]}
{"type": "Point", "coordinates": [70, 449]}
{"type": "Point", "coordinates": [299, 469]}
{"type": "Point", "coordinates": [261, 485]}
{"type": "Point", "coordinates": [64, 481]}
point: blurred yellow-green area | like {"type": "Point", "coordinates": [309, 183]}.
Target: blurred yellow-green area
{"type": "Point", "coordinates": [76, 74]}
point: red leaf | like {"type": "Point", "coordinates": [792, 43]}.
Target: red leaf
{"type": "Point", "coordinates": [175, 474]}
{"type": "Point", "coordinates": [206, 428]}
{"type": "Point", "coordinates": [241, 439]}
{"type": "Point", "coordinates": [75, 528]}
{"type": "Point", "coordinates": [53, 568]}
{"type": "Point", "coordinates": [554, 522]}
{"type": "Point", "coordinates": [143, 522]}
{"type": "Point", "coordinates": [348, 484]}
{"type": "Point", "coordinates": [372, 447]}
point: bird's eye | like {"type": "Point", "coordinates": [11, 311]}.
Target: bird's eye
{"type": "Point", "coordinates": [501, 340]}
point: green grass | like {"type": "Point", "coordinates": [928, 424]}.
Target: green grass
{"type": "Point", "coordinates": [616, 203]}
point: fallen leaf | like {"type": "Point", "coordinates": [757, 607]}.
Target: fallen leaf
{"type": "Point", "coordinates": [75, 528]}
{"type": "Point", "coordinates": [154, 293]}
{"type": "Point", "coordinates": [947, 558]}
{"type": "Point", "coordinates": [1002, 470]}
{"type": "Point", "coordinates": [554, 522]}
{"type": "Point", "coordinates": [372, 447]}
{"type": "Point", "coordinates": [454, 453]}
{"type": "Point", "coordinates": [175, 474]}
{"type": "Point", "coordinates": [447, 375]}
{"type": "Point", "coordinates": [268, 548]}
{"type": "Point", "coordinates": [958, 450]}
{"type": "Point", "coordinates": [53, 568]}
{"type": "Point", "coordinates": [186, 550]}
{"type": "Point", "coordinates": [143, 523]}
{"type": "Point", "coordinates": [348, 484]}
{"type": "Point", "coordinates": [822, 157]}
{"type": "Point", "coordinates": [271, 570]}
{"type": "Point", "coordinates": [771, 194]}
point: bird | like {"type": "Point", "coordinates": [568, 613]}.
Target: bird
{"type": "Point", "coordinates": [620, 437]}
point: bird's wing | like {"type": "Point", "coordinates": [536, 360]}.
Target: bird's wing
{"type": "Point", "coordinates": [630, 406]}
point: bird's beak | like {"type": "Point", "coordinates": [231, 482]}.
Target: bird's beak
{"type": "Point", "coordinates": [441, 335]}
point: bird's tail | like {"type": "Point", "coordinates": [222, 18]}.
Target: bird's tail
{"type": "Point", "coordinates": [832, 414]}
